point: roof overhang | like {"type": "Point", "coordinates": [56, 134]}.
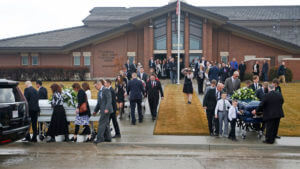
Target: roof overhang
{"type": "Point", "coordinates": [262, 38]}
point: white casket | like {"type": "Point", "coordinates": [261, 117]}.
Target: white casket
{"type": "Point", "coordinates": [46, 111]}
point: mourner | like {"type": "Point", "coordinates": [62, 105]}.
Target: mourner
{"type": "Point", "coordinates": [83, 113]}
{"type": "Point", "coordinates": [32, 97]}
{"type": "Point", "coordinates": [188, 84]}
{"type": "Point", "coordinates": [43, 93]}
{"type": "Point", "coordinates": [271, 108]}
{"type": "Point", "coordinates": [104, 105]}
{"type": "Point", "coordinates": [58, 124]}
{"type": "Point", "coordinates": [221, 112]}
{"type": "Point", "coordinates": [255, 86]}
{"type": "Point", "coordinates": [113, 115]}
{"type": "Point", "coordinates": [232, 83]}
{"type": "Point", "coordinates": [120, 88]}
{"type": "Point", "coordinates": [153, 88]}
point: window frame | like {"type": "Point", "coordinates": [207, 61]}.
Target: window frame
{"type": "Point", "coordinates": [74, 62]}
{"type": "Point", "coordinates": [37, 60]}
{"type": "Point", "coordinates": [22, 60]}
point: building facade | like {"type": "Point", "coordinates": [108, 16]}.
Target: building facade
{"type": "Point", "coordinates": [112, 33]}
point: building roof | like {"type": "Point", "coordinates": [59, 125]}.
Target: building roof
{"type": "Point", "coordinates": [104, 21]}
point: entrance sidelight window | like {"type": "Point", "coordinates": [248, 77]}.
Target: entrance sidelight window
{"type": "Point", "coordinates": [175, 30]}
{"type": "Point", "coordinates": [160, 33]}
{"type": "Point", "coordinates": [195, 33]}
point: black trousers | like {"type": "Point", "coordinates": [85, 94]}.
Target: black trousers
{"type": "Point", "coordinates": [133, 104]}
{"type": "Point", "coordinates": [271, 129]}
{"type": "Point", "coordinates": [200, 85]}
{"type": "Point", "coordinates": [232, 129]}
{"type": "Point", "coordinates": [210, 117]}
{"type": "Point", "coordinates": [34, 116]}
{"type": "Point", "coordinates": [153, 103]}
{"type": "Point", "coordinates": [242, 74]}
{"type": "Point", "coordinates": [113, 117]}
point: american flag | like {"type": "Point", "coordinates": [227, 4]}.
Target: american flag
{"type": "Point", "coordinates": [177, 8]}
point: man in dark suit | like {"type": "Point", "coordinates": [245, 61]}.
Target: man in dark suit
{"type": "Point", "coordinates": [128, 69]}
{"type": "Point", "coordinates": [43, 93]}
{"type": "Point", "coordinates": [173, 71]}
{"type": "Point", "coordinates": [213, 73]}
{"type": "Point", "coordinates": [255, 85]}
{"type": "Point", "coordinates": [152, 63]}
{"type": "Point", "coordinates": [242, 69]}
{"type": "Point", "coordinates": [142, 75]}
{"type": "Point", "coordinates": [104, 104]}
{"type": "Point", "coordinates": [260, 93]}
{"type": "Point", "coordinates": [113, 115]}
{"type": "Point", "coordinates": [265, 71]}
{"type": "Point", "coordinates": [271, 106]}
{"type": "Point", "coordinates": [209, 104]}
{"type": "Point", "coordinates": [224, 73]}
{"type": "Point", "coordinates": [232, 83]}
{"type": "Point", "coordinates": [32, 98]}
{"type": "Point", "coordinates": [135, 90]}
{"type": "Point", "coordinates": [153, 87]}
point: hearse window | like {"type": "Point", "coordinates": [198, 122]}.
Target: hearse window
{"type": "Point", "coordinates": [9, 95]}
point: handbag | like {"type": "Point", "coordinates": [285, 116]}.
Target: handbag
{"type": "Point", "coordinates": [83, 107]}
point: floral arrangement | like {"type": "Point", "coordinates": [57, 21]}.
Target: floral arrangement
{"type": "Point", "coordinates": [69, 96]}
{"type": "Point", "coordinates": [245, 94]}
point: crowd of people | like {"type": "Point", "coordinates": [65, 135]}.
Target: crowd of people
{"type": "Point", "coordinates": [134, 84]}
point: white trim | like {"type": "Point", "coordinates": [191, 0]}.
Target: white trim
{"type": "Point", "coordinates": [195, 51]}
{"type": "Point", "coordinates": [291, 59]}
{"type": "Point", "coordinates": [175, 51]}
{"type": "Point", "coordinates": [87, 54]}
{"type": "Point", "coordinates": [159, 51]}
{"type": "Point", "coordinates": [76, 54]}
{"type": "Point", "coordinates": [281, 57]}
{"type": "Point", "coordinates": [131, 54]}
{"type": "Point", "coordinates": [24, 54]}
{"type": "Point", "coordinates": [258, 59]}
{"type": "Point", "coordinates": [249, 57]}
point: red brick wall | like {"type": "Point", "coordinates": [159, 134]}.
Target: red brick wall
{"type": "Point", "coordinates": [294, 65]}
{"type": "Point", "coordinates": [207, 40]}
{"type": "Point", "coordinates": [10, 59]}
{"type": "Point", "coordinates": [55, 59]}
{"type": "Point", "coordinates": [169, 36]}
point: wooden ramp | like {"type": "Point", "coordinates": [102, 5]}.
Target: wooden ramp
{"type": "Point", "coordinates": [176, 117]}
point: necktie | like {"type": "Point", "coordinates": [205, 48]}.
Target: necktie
{"type": "Point", "coordinates": [224, 106]}
{"type": "Point", "coordinates": [152, 84]}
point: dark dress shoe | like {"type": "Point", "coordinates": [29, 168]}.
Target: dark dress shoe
{"type": "Point", "coordinates": [140, 120]}
{"type": "Point", "coordinates": [73, 139]}
{"type": "Point", "coordinates": [33, 140]}
{"type": "Point", "coordinates": [117, 136]}
{"type": "Point", "coordinates": [88, 140]}
{"type": "Point", "coordinates": [41, 137]}
{"type": "Point", "coordinates": [51, 140]}
{"type": "Point", "coordinates": [234, 139]}
{"type": "Point", "coordinates": [132, 123]}
{"type": "Point", "coordinates": [66, 138]}
{"type": "Point", "coordinates": [277, 137]}
{"type": "Point", "coordinates": [153, 118]}
{"type": "Point", "coordinates": [106, 140]}
{"type": "Point", "coordinates": [189, 102]}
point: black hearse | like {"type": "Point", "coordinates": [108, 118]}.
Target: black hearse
{"type": "Point", "coordinates": [14, 118]}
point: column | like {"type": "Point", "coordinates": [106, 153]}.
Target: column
{"type": "Point", "coordinates": [169, 36]}
{"type": "Point", "coordinates": [186, 40]}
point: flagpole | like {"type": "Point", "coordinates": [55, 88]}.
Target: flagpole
{"type": "Point", "coordinates": [178, 43]}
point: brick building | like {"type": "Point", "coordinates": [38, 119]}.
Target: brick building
{"type": "Point", "coordinates": [219, 33]}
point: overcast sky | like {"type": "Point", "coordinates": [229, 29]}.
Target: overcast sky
{"type": "Point", "coordinates": [21, 17]}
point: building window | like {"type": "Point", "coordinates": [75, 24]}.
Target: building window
{"type": "Point", "coordinates": [25, 60]}
{"type": "Point", "coordinates": [76, 60]}
{"type": "Point", "coordinates": [224, 59]}
{"type": "Point", "coordinates": [195, 33]}
{"type": "Point", "coordinates": [35, 60]}
{"type": "Point", "coordinates": [160, 33]}
{"type": "Point", "coordinates": [175, 31]}
{"type": "Point", "coordinates": [87, 60]}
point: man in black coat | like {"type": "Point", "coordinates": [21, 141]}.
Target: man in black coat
{"type": "Point", "coordinates": [113, 115]}
{"type": "Point", "coordinates": [265, 71]}
{"type": "Point", "coordinates": [32, 98]}
{"type": "Point", "coordinates": [242, 69]}
{"type": "Point", "coordinates": [153, 87]}
{"type": "Point", "coordinates": [209, 104]}
{"type": "Point", "coordinates": [255, 85]}
{"type": "Point", "coordinates": [152, 63]}
{"type": "Point", "coordinates": [135, 90]}
{"type": "Point", "coordinates": [224, 73]}
{"type": "Point", "coordinates": [43, 93]}
{"type": "Point", "coordinates": [271, 106]}
{"type": "Point", "coordinates": [142, 75]}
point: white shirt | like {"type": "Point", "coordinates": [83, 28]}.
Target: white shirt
{"type": "Point", "coordinates": [219, 106]}
{"type": "Point", "coordinates": [232, 113]}
{"type": "Point", "coordinates": [88, 94]}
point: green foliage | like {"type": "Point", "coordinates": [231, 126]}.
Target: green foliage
{"type": "Point", "coordinates": [53, 73]}
{"type": "Point", "coordinates": [288, 75]}
{"type": "Point", "coordinates": [244, 94]}
{"type": "Point", "coordinates": [69, 96]}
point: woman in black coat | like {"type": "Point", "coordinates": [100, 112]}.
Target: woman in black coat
{"type": "Point", "coordinates": [82, 118]}
{"type": "Point", "coordinates": [58, 123]}
{"type": "Point", "coordinates": [188, 84]}
{"type": "Point", "coordinates": [120, 88]}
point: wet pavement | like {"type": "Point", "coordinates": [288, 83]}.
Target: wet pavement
{"type": "Point", "coordinates": [139, 148]}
